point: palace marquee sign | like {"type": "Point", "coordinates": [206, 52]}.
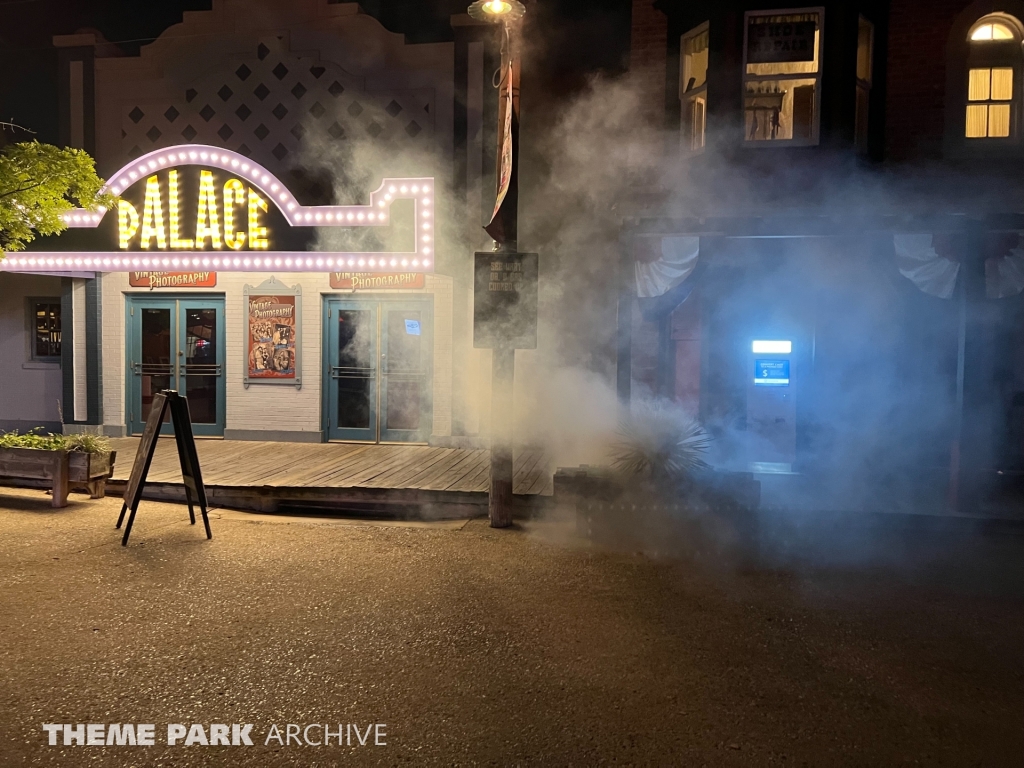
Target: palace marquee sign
{"type": "Point", "coordinates": [219, 224]}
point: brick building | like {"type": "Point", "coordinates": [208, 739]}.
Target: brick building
{"type": "Point", "coordinates": [833, 279]}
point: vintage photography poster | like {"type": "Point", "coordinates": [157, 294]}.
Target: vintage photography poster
{"type": "Point", "coordinates": [272, 332]}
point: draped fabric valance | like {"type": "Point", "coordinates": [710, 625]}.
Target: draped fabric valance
{"type": "Point", "coordinates": [932, 268]}
{"type": "Point", "coordinates": [664, 264]}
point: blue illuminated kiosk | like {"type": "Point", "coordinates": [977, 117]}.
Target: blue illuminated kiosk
{"type": "Point", "coordinates": [771, 407]}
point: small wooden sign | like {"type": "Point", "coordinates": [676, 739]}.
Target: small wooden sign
{"type": "Point", "coordinates": [172, 279]}
{"type": "Point", "coordinates": [505, 301]}
{"type": "Point", "coordinates": [370, 281]}
{"type": "Point", "coordinates": [195, 491]}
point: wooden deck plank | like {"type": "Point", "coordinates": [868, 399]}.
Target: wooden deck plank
{"type": "Point", "coordinates": [240, 463]}
{"type": "Point", "coordinates": [527, 462]}
{"type": "Point", "coordinates": [370, 476]}
{"type": "Point", "coordinates": [442, 479]}
{"type": "Point", "coordinates": [456, 472]}
{"type": "Point", "coordinates": [478, 480]}
{"type": "Point", "coordinates": [300, 463]}
{"type": "Point", "coordinates": [336, 475]}
{"type": "Point", "coordinates": [543, 479]}
{"type": "Point", "coordinates": [435, 470]}
{"type": "Point", "coordinates": [331, 465]}
{"type": "Point", "coordinates": [413, 462]}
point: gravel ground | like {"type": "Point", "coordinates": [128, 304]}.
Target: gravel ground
{"type": "Point", "coordinates": [477, 646]}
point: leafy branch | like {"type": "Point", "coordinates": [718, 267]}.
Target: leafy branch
{"type": "Point", "coordinates": [38, 184]}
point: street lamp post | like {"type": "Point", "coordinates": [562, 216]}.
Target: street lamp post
{"type": "Point", "coordinates": [503, 228]}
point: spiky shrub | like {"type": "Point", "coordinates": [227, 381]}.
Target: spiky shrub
{"type": "Point", "coordinates": [659, 442]}
{"type": "Point", "coordinates": [35, 438]}
{"type": "Point", "coordinates": [87, 443]}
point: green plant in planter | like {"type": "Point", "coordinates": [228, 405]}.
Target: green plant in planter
{"type": "Point", "coordinates": [50, 442]}
{"type": "Point", "coordinates": [660, 443]}
{"type": "Point", "coordinates": [87, 443]}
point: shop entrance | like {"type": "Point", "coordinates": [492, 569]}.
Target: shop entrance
{"type": "Point", "coordinates": [377, 369]}
{"type": "Point", "coordinates": [176, 344]}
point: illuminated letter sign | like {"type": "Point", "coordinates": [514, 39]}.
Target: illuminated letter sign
{"type": "Point", "coordinates": [230, 195]}
{"type": "Point", "coordinates": [150, 226]}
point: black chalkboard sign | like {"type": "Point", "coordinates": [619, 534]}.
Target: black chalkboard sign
{"type": "Point", "coordinates": [195, 491]}
{"type": "Point", "coordinates": [505, 301]}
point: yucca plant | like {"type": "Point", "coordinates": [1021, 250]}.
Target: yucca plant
{"type": "Point", "coordinates": [660, 442]}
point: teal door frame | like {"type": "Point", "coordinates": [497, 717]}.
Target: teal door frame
{"type": "Point", "coordinates": [176, 369]}
{"type": "Point", "coordinates": [370, 372]}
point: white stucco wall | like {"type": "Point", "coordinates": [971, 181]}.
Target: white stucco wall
{"type": "Point", "coordinates": [29, 391]}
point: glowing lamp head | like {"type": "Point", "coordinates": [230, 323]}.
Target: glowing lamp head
{"type": "Point", "coordinates": [497, 10]}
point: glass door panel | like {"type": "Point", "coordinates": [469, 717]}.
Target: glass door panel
{"type": "Point", "coordinates": [201, 372]}
{"type": "Point", "coordinates": [351, 358]}
{"type": "Point", "coordinates": [377, 356]}
{"type": "Point", "coordinates": [405, 356]}
{"type": "Point", "coordinates": [150, 358]}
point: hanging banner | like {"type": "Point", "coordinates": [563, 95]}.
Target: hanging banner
{"type": "Point", "coordinates": [367, 281]}
{"type": "Point", "coordinates": [272, 333]}
{"type": "Point", "coordinates": [172, 279]}
{"type": "Point", "coordinates": [503, 225]}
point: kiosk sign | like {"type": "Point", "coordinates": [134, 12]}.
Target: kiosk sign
{"type": "Point", "coordinates": [771, 373]}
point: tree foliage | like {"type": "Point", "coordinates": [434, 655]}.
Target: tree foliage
{"type": "Point", "coordinates": [38, 183]}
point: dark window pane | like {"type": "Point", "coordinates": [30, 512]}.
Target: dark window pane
{"type": "Point", "coordinates": [47, 329]}
{"type": "Point", "coordinates": [200, 361]}
{"type": "Point", "coordinates": [354, 403]}
{"type": "Point", "coordinates": [356, 357]}
{"type": "Point", "coordinates": [355, 339]}
{"type": "Point", "coordinates": [156, 356]}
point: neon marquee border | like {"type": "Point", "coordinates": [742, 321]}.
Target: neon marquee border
{"type": "Point", "coordinates": [377, 213]}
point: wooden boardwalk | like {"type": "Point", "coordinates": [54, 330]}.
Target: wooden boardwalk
{"type": "Point", "coordinates": [271, 473]}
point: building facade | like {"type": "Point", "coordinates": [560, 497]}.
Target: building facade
{"type": "Point", "coordinates": [325, 105]}
{"type": "Point", "coordinates": [832, 283]}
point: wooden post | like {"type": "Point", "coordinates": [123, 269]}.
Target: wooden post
{"type": "Point", "coordinates": [499, 502]}
{"type": "Point", "coordinates": [60, 479]}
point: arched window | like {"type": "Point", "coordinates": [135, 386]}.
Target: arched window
{"type": "Point", "coordinates": [994, 62]}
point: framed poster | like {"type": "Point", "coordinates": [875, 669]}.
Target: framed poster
{"type": "Point", "coordinates": [273, 329]}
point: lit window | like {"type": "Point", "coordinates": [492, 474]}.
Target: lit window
{"type": "Point", "coordinates": [993, 71]}
{"type": "Point", "coordinates": [992, 31]}
{"type": "Point", "coordinates": [45, 320]}
{"type": "Point", "coordinates": [782, 77]}
{"type": "Point", "coordinates": [865, 45]}
{"type": "Point", "coordinates": [693, 86]}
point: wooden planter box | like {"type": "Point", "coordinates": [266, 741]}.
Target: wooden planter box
{"type": "Point", "coordinates": [64, 469]}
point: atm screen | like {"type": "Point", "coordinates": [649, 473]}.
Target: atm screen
{"type": "Point", "coordinates": [771, 373]}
